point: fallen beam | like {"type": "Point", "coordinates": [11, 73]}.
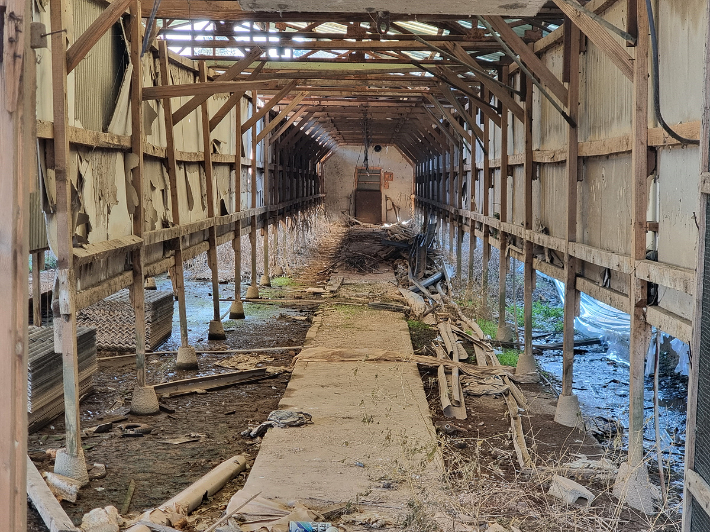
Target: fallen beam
{"type": "Point", "coordinates": [45, 503]}
{"type": "Point", "coordinates": [208, 382]}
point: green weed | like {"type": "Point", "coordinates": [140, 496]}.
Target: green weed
{"type": "Point", "coordinates": [543, 316]}
{"type": "Point", "coordinates": [416, 325]}
{"type": "Point", "coordinates": [282, 281]}
{"type": "Point", "coordinates": [509, 357]}
{"type": "Point", "coordinates": [488, 327]}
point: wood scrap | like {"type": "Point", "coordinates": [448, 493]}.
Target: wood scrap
{"type": "Point", "coordinates": [129, 497]}
{"type": "Point", "coordinates": [209, 382]}
{"type": "Point", "coordinates": [49, 509]}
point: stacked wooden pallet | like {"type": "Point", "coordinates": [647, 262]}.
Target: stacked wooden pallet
{"type": "Point", "coordinates": [114, 320]}
{"type": "Point", "coordinates": [45, 389]}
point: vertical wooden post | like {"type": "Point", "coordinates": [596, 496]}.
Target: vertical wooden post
{"type": "Point", "coordinates": [216, 329]}
{"type": "Point", "coordinates": [144, 399]}
{"type": "Point", "coordinates": [17, 119]}
{"type": "Point", "coordinates": [473, 174]}
{"type": "Point", "coordinates": [236, 309]}
{"type": "Point", "coordinates": [459, 218]}
{"type": "Point", "coordinates": [187, 358]}
{"type": "Point", "coordinates": [265, 277]}
{"type": "Point", "coordinates": [37, 288]}
{"type": "Point", "coordinates": [503, 330]}
{"type": "Point", "coordinates": [568, 412]}
{"type": "Point", "coordinates": [451, 200]}
{"type": "Point", "coordinates": [71, 462]}
{"type": "Point", "coordinates": [632, 484]}
{"type": "Point", "coordinates": [526, 361]}
{"type": "Point", "coordinates": [484, 207]}
{"type": "Point", "coordinates": [253, 290]}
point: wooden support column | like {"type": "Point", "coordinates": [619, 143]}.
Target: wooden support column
{"type": "Point", "coordinates": [37, 267]}
{"type": "Point", "coordinates": [503, 332]}
{"type": "Point", "coordinates": [484, 208]}
{"type": "Point", "coordinates": [265, 277]}
{"type": "Point", "coordinates": [144, 399]}
{"type": "Point", "coordinates": [526, 361]}
{"type": "Point", "coordinates": [568, 412]}
{"type": "Point", "coordinates": [473, 174]}
{"type": "Point", "coordinates": [17, 153]}
{"type": "Point", "coordinates": [253, 290]}
{"type": "Point", "coordinates": [632, 484]}
{"type": "Point", "coordinates": [70, 462]}
{"type": "Point", "coordinates": [236, 310]}
{"type": "Point", "coordinates": [459, 205]}
{"type": "Point", "coordinates": [186, 359]}
{"type": "Point", "coordinates": [451, 200]}
{"type": "Point", "coordinates": [216, 329]}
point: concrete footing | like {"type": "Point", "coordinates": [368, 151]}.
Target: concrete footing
{"type": "Point", "coordinates": [144, 401]}
{"type": "Point", "coordinates": [633, 488]}
{"type": "Point", "coordinates": [265, 280]}
{"type": "Point", "coordinates": [236, 311]}
{"type": "Point", "coordinates": [568, 412]}
{"type": "Point", "coordinates": [72, 466]}
{"type": "Point", "coordinates": [505, 333]}
{"type": "Point", "coordinates": [252, 292]}
{"type": "Point", "coordinates": [150, 284]}
{"type": "Point", "coordinates": [278, 271]}
{"type": "Point", "coordinates": [216, 331]}
{"type": "Point", "coordinates": [526, 365]}
{"type": "Point", "coordinates": [186, 358]}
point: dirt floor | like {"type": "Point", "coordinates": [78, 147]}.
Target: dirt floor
{"type": "Point", "coordinates": [483, 482]}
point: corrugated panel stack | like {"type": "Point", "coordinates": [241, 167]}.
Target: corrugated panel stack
{"type": "Point", "coordinates": [114, 320]}
{"type": "Point", "coordinates": [45, 383]}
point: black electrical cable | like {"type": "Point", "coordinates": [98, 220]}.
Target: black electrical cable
{"type": "Point", "coordinates": [656, 85]}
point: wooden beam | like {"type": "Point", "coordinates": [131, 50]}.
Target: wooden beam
{"type": "Point", "coordinates": [209, 88]}
{"type": "Point", "coordinates": [528, 57]}
{"type": "Point", "coordinates": [284, 112]}
{"type": "Point", "coordinates": [17, 119]}
{"type": "Point", "coordinates": [137, 288]}
{"type": "Point", "coordinates": [600, 37]}
{"type": "Point", "coordinates": [233, 100]}
{"type": "Point", "coordinates": [229, 75]}
{"type": "Point", "coordinates": [498, 91]}
{"type": "Point", "coordinates": [268, 106]}
{"type": "Point", "coordinates": [65, 319]}
{"type": "Point", "coordinates": [288, 123]}
{"type": "Point", "coordinates": [471, 122]}
{"type": "Point", "coordinates": [94, 32]}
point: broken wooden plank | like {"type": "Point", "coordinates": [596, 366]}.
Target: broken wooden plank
{"type": "Point", "coordinates": [208, 382]}
{"type": "Point", "coordinates": [129, 497]}
{"type": "Point", "coordinates": [49, 509]}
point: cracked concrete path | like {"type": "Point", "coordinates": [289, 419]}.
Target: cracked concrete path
{"type": "Point", "coordinates": [372, 440]}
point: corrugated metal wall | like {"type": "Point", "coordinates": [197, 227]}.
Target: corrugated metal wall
{"type": "Point", "coordinates": [100, 73]}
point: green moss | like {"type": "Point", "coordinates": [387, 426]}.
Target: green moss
{"type": "Point", "coordinates": [282, 281]}
{"type": "Point", "coordinates": [488, 327]}
{"type": "Point", "coordinates": [415, 325]}
{"type": "Point", "coordinates": [509, 357]}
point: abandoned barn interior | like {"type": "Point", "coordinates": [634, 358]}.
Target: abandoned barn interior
{"type": "Point", "coordinates": [386, 227]}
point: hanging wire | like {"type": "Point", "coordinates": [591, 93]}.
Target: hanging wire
{"type": "Point", "coordinates": [656, 86]}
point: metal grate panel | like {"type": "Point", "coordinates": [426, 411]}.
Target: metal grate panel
{"type": "Point", "coordinates": [700, 521]}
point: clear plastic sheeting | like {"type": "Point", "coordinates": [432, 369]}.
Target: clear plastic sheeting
{"type": "Point", "coordinates": [612, 326]}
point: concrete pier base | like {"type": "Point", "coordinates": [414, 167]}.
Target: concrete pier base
{"type": "Point", "coordinates": [144, 401]}
{"type": "Point", "coordinates": [568, 412]}
{"type": "Point", "coordinates": [253, 292]}
{"type": "Point", "coordinates": [633, 488]}
{"type": "Point", "coordinates": [265, 280]}
{"type": "Point", "coordinates": [236, 311]}
{"type": "Point", "coordinates": [186, 358]}
{"type": "Point", "coordinates": [72, 466]}
{"type": "Point", "coordinates": [216, 331]}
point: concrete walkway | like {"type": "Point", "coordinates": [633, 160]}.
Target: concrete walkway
{"type": "Point", "coordinates": [372, 440]}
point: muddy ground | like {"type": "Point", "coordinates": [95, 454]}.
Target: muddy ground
{"type": "Point", "coordinates": [482, 475]}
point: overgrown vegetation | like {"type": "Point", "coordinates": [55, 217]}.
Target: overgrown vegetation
{"type": "Point", "coordinates": [416, 325]}
{"type": "Point", "coordinates": [544, 316]}
{"type": "Point", "coordinates": [509, 357]}
{"type": "Point", "coordinates": [282, 281]}
{"type": "Point", "coordinates": [489, 327]}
